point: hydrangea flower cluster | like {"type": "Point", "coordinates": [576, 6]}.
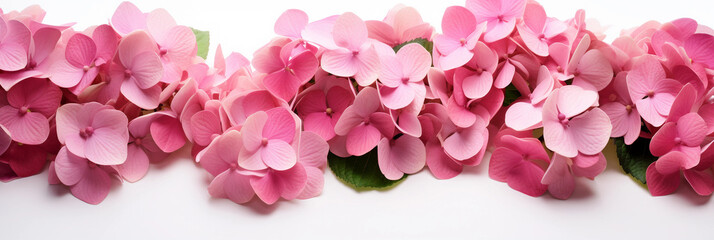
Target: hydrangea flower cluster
{"type": "Point", "coordinates": [543, 96]}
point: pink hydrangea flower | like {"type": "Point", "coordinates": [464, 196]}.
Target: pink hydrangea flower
{"type": "Point", "coordinates": [569, 127]}
{"type": "Point", "coordinates": [461, 32]}
{"type": "Point", "coordinates": [93, 131]}
{"type": "Point", "coordinates": [560, 176]}
{"type": "Point", "coordinates": [520, 162]}
{"type": "Point", "coordinates": [86, 180]}
{"type": "Point", "coordinates": [83, 58]}
{"type": "Point", "coordinates": [477, 75]}
{"type": "Point", "coordinates": [267, 138]}
{"type": "Point", "coordinates": [404, 155]}
{"type": "Point", "coordinates": [40, 57]}
{"type": "Point", "coordinates": [501, 16]}
{"type": "Point", "coordinates": [15, 40]}
{"type": "Point", "coordinates": [128, 18]}
{"type": "Point", "coordinates": [363, 124]}
{"type": "Point", "coordinates": [401, 24]}
{"type": "Point", "coordinates": [176, 44]}
{"type": "Point", "coordinates": [354, 56]}
{"type": "Point", "coordinates": [139, 69]}
{"type": "Point", "coordinates": [20, 160]}
{"type": "Point", "coordinates": [538, 30]}
{"type": "Point", "coordinates": [622, 112]}
{"type": "Point", "coordinates": [31, 104]}
{"type": "Point", "coordinates": [320, 111]}
{"type": "Point", "coordinates": [683, 135]}
{"type": "Point", "coordinates": [287, 71]}
{"type": "Point", "coordinates": [651, 90]}
{"type": "Point", "coordinates": [402, 76]}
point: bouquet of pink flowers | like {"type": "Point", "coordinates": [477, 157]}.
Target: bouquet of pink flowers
{"type": "Point", "coordinates": [375, 101]}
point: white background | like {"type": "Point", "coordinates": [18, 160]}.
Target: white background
{"type": "Point", "coordinates": [172, 200]}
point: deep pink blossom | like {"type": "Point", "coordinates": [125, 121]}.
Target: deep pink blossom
{"type": "Point", "coordinates": [402, 76]}
{"type": "Point", "coordinates": [651, 90]}
{"type": "Point", "coordinates": [31, 104]}
{"type": "Point", "coordinates": [354, 56]}
{"type": "Point", "coordinates": [139, 69]}
{"type": "Point", "coordinates": [363, 124]}
{"type": "Point", "coordinates": [520, 162]}
{"type": "Point", "coordinates": [461, 32]}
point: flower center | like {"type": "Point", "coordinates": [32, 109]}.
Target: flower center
{"type": "Point", "coordinates": [328, 111]}
{"type": "Point", "coordinates": [355, 53]}
{"type": "Point", "coordinates": [163, 51]}
{"type": "Point", "coordinates": [677, 140]}
{"type": "Point", "coordinates": [628, 108]}
{"type": "Point", "coordinates": [86, 68]}
{"type": "Point", "coordinates": [137, 141]}
{"type": "Point", "coordinates": [290, 70]}
{"type": "Point", "coordinates": [479, 70]}
{"type": "Point", "coordinates": [612, 97]}
{"type": "Point", "coordinates": [463, 42]}
{"type": "Point", "coordinates": [233, 165]}
{"type": "Point", "coordinates": [265, 141]}
{"type": "Point", "coordinates": [24, 110]}
{"type": "Point", "coordinates": [86, 132]}
{"type": "Point", "coordinates": [542, 37]}
{"type": "Point", "coordinates": [650, 93]}
{"type": "Point", "coordinates": [563, 120]}
{"type": "Point", "coordinates": [501, 18]}
{"type": "Point", "coordinates": [127, 73]}
{"type": "Point", "coordinates": [405, 79]}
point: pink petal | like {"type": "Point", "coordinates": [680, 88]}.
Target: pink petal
{"type": "Point", "coordinates": [80, 50]}
{"type": "Point", "coordinates": [692, 129]}
{"type": "Point", "coordinates": [648, 112]}
{"type": "Point", "coordinates": [159, 22]}
{"type": "Point", "coordinates": [279, 155]}
{"type": "Point", "coordinates": [340, 62]}
{"type": "Point", "coordinates": [522, 116]}
{"type": "Point", "coordinates": [287, 184]}
{"type": "Point", "coordinates": [361, 139]}
{"type": "Point", "coordinates": [671, 163]}
{"type": "Point", "coordinates": [321, 124]}
{"type": "Point", "coordinates": [94, 187]}
{"type": "Point", "coordinates": [702, 182]}
{"type": "Point", "coordinates": [313, 151]}
{"type": "Point", "coordinates": [465, 143]}
{"type": "Point", "coordinates": [291, 23]}
{"type": "Point", "coordinates": [167, 133]}
{"type": "Point", "coordinates": [128, 18]}
{"type": "Point", "coordinates": [573, 100]}
{"type": "Point", "coordinates": [69, 168]}
{"type": "Point", "coordinates": [396, 98]}
{"type": "Point", "coordinates": [369, 66]}
{"type": "Point", "coordinates": [505, 75]}
{"type": "Point", "coordinates": [589, 166]}
{"type": "Point", "coordinates": [440, 164]}
{"type": "Point", "coordinates": [304, 66]}
{"type": "Point", "coordinates": [65, 74]}
{"type": "Point", "coordinates": [350, 31]}
{"type": "Point", "coordinates": [143, 98]}
{"type": "Point", "coordinates": [279, 125]}
{"type": "Point", "coordinates": [204, 127]}
{"type": "Point", "coordinates": [560, 181]}
{"type": "Point", "coordinates": [415, 60]}
{"type": "Point", "coordinates": [458, 22]}
{"type": "Point", "coordinates": [237, 187]}
{"type": "Point", "coordinates": [282, 84]}
{"type": "Point", "coordinates": [476, 86]}
{"type": "Point", "coordinates": [595, 69]}
{"type": "Point", "coordinates": [146, 69]}
{"type": "Point", "coordinates": [503, 160]}
{"type": "Point", "coordinates": [133, 45]}
{"type": "Point", "coordinates": [645, 72]}
{"type": "Point", "coordinates": [590, 131]}
{"type": "Point", "coordinates": [106, 147]}
{"type": "Point", "coordinates": [526, 177]}
{"type": "Point", "coordinates": [663, 140]}
{"type": "Point", "coordinates": [661, 184]}
{"type": "Point", "coordinates": [455, 59]}
{"type": "Point", "coordinates": [315, 183]}
{"type": "Point", "coordinates": [13, 57]}
{"type": "Point", "coordinates": [136, 165]}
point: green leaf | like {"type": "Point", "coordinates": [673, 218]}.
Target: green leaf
{"type": "Point", "coordinates": [510, 95]}
{"type": "Point", "coordinates": [202, 42]}
{"type": "Point", "coordinates": [635, 158]}
{"type": "Point", "coordinates": [360, 172]}
{"type": "Point", "coordinates": [423, 42]}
